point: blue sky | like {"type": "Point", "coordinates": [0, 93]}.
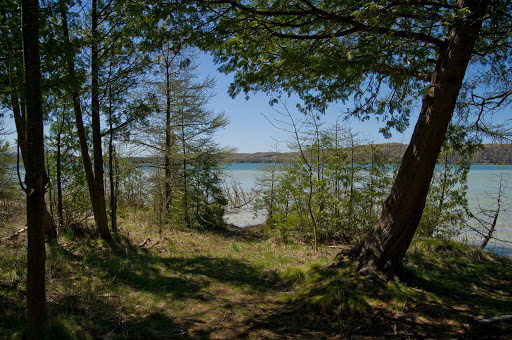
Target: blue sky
{"type": "Point", "coordinates": [250, 131]}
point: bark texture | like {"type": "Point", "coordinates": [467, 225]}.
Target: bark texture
{"type": "Point", "coordinates": [35, 177]}
{"type": "Point", "coordinates": [391, 236]}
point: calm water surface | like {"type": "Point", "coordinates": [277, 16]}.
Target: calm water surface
{"type": "Point", "coordinates": [483, 183]}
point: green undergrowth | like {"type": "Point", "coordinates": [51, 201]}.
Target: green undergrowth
{"type": "Point", "coordinates": [235, 284]}
{"type": "Point", "coordinates": [447, 287]}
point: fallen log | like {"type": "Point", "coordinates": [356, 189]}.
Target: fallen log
{"type": "Point", "coordinates": [145, 242]}
{"type": "Point", "coordinates": [155, 243]}
{"type": "Point", "coordinates": [16, 234]}
{"type": "Point", "coordinates": [494, 319]}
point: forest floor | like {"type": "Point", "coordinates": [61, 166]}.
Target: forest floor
{"type": "Point", "coordinates": [237, 285]}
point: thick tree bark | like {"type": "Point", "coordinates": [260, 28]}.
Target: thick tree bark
{"type": "Point", "coordinates": [35, 177]}
{"type": "Point", "coordinates": [391, 236]}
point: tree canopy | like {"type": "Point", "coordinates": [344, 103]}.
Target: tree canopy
{"type": "Point", "coordinates": [378, 55]}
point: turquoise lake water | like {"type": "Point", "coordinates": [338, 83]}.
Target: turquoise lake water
{"type": "Point", "coordinates": [483, 182]}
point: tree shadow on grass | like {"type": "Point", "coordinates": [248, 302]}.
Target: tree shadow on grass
{"type": "Point", "coordinates": [124, 265]}
{"type": "Point", "coordinates": [91, 281]}
{"type": "Point", "coordinates": [304, 316]}
{"type": "Point", "coordinates": [12, 310]}
{"type": "Point", "coordinates": [157, 326]}
{"type": "Point", "coordinates": [103, 320]}
{"type": "Point", "coordinates": [139, 268]}
{"type": "Point", "coordinates": [434, 302]}
{"type": "Point", "coordinates": [469, 285]}
{"type": "Point", "coordinates": [291, 321]}
{"type": "Point", "coordinates": [225, 270]}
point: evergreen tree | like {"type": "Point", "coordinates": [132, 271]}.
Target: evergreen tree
{"type": "Point", "coordinates": [116, 62]}
{"type": "Point", "coordinates": [181, 133]}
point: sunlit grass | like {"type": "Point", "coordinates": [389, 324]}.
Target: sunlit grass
{"type": "Point", "coordinates": [237, 284]}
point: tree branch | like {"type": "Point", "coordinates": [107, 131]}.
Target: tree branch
{"type": "Point", "coordinates": [315, 11]}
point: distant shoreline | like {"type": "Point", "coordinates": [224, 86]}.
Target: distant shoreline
{"type": "Point", "coordinates": [490, 154]}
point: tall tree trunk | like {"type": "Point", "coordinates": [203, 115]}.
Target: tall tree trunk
{"type": "Point", "coordinates": [168, 136]}
{"type": "Point", "coordinates": [352, 177]}
{"type": "Point", "coordinates": [310, 209]}
{"type": "Point", "coordinates": [336, 173]}
{"type": "Point", "coordinates": [372, 173]}
{"type": "Point", "coordinates": [84, 149]}
{"type": "Point", "coordinates": [49, 189]}
{"type": "Point", "coordinates": [35, 177]}
{"type": "Point", "coordinates": [100, 207]}
{"type": "Point", "coordinates": [113, 192]}
{"type": "Point", "coordinates": [113, 189]}
{"type": "Point", "coordinates": [60, 209]}
{"type": "Point", "coordinates": [392, 234]}
{"type": "Point", "coordinates": [20, 122]}
{"type": "Point", "coordinates": [185, 193]}
{"type": "Point", "coordinates": [185, 176]}
{"type": "Point", "coordinates": [272, 193]}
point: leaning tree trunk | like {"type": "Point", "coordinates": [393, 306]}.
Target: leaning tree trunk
{"type": "Point", "coordinates": [491, 229]}
{"type": "Point", "coordinates": [35, 177]}
{"type": "Point", "coordinates": [392, 234]}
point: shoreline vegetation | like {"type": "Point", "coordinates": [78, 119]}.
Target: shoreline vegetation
{"type": "Point", "coordinates": [489, 154]}
{"type": "Point", "coordinates": [243, 283]}
{"type": "Point", "coordinates": [499, 154]}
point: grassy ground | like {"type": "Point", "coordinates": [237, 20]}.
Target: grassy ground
{"type": "Point", "coordinates": [235, 285]}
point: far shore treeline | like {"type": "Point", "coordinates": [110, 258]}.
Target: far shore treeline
{"type": "Point", "coordinates": [499, 154]}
